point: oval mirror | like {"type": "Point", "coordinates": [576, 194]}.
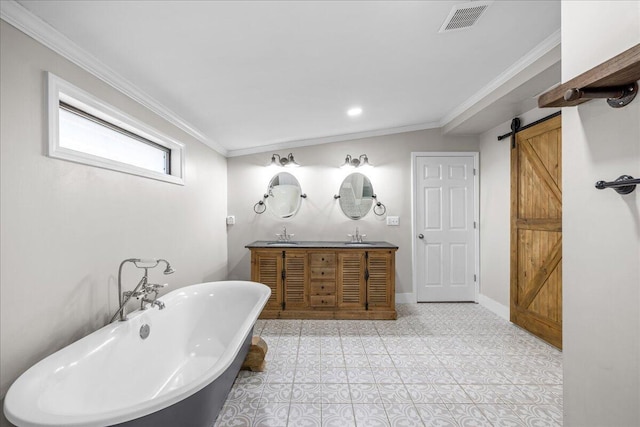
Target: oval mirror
{"type": "Point", "coordinates": [284, 195]}
{"type": "Point", "coordinates": [356, 196]}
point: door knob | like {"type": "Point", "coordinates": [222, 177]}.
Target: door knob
{"type": "Point", "coordinates": [420, 236]}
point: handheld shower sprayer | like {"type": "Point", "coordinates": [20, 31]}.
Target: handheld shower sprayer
{"type": "Point", "coordinates": [169, 269]}
{"type": "Point", "coordinates": [151, 263]}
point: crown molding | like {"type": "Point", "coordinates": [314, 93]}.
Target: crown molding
{"type": "Point", "coordinates": [25, 21]}
{"type": "Point", "coordinates": [535, 54]}
{"type": "Point", "coordinates": [333, 138]}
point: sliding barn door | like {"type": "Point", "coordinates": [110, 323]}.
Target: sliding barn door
{"type": "Point", "coordinates": [536, 231]}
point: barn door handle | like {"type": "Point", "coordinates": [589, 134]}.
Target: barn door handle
{"type": "Point", "coordinates": [420, 236]}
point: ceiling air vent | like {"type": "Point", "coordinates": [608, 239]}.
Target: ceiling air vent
{"type": "Point", "coordinates": [464, 15]}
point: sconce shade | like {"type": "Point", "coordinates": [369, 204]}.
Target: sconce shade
{"type": "Point", "coordinates": [291, 162]}
{"type": "Point", "coordinates": [347, 162]}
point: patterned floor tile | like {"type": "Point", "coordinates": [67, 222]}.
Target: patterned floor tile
{"type": "Point", "coordinates": [540, 415]}
{"type": "Point", "coordinates": [336, 393]}
{"type": "Point", "coordinates": [356, 361]}
{"type": "Point", "coordinates": [501, 415]}
{"type": "Point", "coordinates": [452, 393]}
{"type": "Point", "coordinates": [370, 415]}
{"type": "Point", "coordinates": [380, 361]}
{"type": "Point", "coordinates": [307, 375]}
{"type": "Point", "coordinates": [277, 392]}
{"type": "Point", "coordinates": [468, 415]}
{"type": "Point", "coordinates": [271, 415]}
{"type": "Point", "coordinates": [360, 375]}
{"type": "Point", "coordinates": [436, 415]}
{"type": "Point", "coordinates": [403, 415]}
{"type": "Point", "coordinates": [387, 376]}
{"type": "Point", "coordinates": [394, 393]}
{"type": "Point", "coordinates": [306, 393]}
{"type": "Point", "coordinates": [235, 414]}
{"type": "Point", "coordinates": [305, 415]}
{"type": "Point", "coordinates": [364, 393]}
{"type": "Point", "coordinates": [436, 365]}
{"type": "Point", "coordinates": [423, 394]}
{"type": "Point", "coordinates": [486, 393]}
{"type": "Point", "coordinates": [333, 375]}
{"type": "Point", "coordinates": [338, 415]}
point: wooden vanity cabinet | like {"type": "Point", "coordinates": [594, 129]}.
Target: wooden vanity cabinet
{"type": "Point", "coordinates": [266, 268]}
{"type": "Point", "coordinates": [285, 273]}
{"type": "Point", "coordinates": [322, 280]}
{"type": "Point", "coordinates": [326, 283]}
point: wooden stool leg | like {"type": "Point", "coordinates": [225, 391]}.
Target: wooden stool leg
{"type": "Point", "coordinates": [255, 357]}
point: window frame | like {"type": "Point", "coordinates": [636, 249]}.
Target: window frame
{"type": "Point", "coordinates": [61, 91]}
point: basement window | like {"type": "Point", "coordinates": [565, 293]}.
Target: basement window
{"type": "Point", "coordinates": [86, 130]}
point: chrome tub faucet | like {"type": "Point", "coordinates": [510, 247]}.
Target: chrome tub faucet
{"type": "Point", "coordinates": [143, 289]}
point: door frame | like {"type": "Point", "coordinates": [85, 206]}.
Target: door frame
{"type": "Point", "coordinates": [476, 212]}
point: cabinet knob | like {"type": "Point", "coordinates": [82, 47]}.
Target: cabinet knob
{"type": "Point", "coordinates": [420, 236]}
{"type": "Point", "coordinates": [321, 287]}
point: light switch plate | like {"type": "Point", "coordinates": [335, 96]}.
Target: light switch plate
{"type": "Point", "coordinates": [393, 220]}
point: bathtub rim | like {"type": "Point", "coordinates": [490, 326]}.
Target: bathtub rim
{"type": "Point", "coordinates": [14, 410]}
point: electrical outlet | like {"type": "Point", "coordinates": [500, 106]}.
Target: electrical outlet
{"type": "Point", "coordinates": [393, 220]}
{"type": "Point", "coordinates": [231, 220]}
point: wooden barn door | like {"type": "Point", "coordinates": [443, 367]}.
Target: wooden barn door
{"type": "Point", "coordinates": [536, 231]}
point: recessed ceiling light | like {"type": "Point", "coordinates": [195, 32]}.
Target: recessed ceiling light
{"type": "Point", "coordinates": [355, 111]}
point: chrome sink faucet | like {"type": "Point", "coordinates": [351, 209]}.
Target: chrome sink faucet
{"type": "Point", "coordinates": [143, 289]}
{"type": "Point", "coordinates": [284, 237]}
{"type": "Point", "coordinates": [357, 237]}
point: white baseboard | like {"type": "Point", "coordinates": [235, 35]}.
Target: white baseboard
{"type": "Point", "coordinates": [493, 305]}
{"type": "Point", "coordinates": [406, 298]}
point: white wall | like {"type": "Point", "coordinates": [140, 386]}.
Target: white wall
{"type": "Point", "coordinates": [66, 227]}
{"type": "Point", "coordinates": [320, 217]}
{"type": "Point", "coordinates": [601, 229]}
{"type": "Point", "coordinates": [495, 213]}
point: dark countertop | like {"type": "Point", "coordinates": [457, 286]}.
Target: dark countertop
{"type": "Point", "coordinates": [313, 244]}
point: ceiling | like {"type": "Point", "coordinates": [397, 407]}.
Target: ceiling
{"type": "Point", "coordinates": [252, 76]}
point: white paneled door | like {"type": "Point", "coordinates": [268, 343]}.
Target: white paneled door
{"type": "Point", "coordinates": [445, 248]}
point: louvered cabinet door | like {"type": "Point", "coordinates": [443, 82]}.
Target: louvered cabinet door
{"type": "Point", "coordinates": [295, 279]}
{"type": "Point", "coordinates": [267, 269]}
{"type": "Point", "coordinates": [380, 282]}
{"type": "Point", "coordinates": [351, 284]}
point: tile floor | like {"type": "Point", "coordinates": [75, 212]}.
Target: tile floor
{"type": "Point", "coordinates": [437, 365]}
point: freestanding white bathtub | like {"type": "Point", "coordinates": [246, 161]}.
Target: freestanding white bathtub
{"type": "Point", "coordinates": [179, 375]}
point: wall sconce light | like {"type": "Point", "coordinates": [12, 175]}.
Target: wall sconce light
{"type": "Point", "coordinates": [287, 161]}
{"type": "Point", "coordinates": [357, 162]}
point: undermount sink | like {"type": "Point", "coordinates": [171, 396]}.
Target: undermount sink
{"type": "Point", "coordinates": [359, 244]}
{"type": "Point", "coordinates": [281, 243]}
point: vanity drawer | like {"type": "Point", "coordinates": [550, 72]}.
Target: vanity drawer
{"type": "Point", "coordinates": [323, 288]}
{"type": "Point", "coordinates": [323, 260]}
{"type": "Point", "coordinates": [322, 300]}
{"type": "Point", "coordinates": [323, 273]}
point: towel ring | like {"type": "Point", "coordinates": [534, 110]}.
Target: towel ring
{"type": "Point", "coordinates": [379, 209]}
